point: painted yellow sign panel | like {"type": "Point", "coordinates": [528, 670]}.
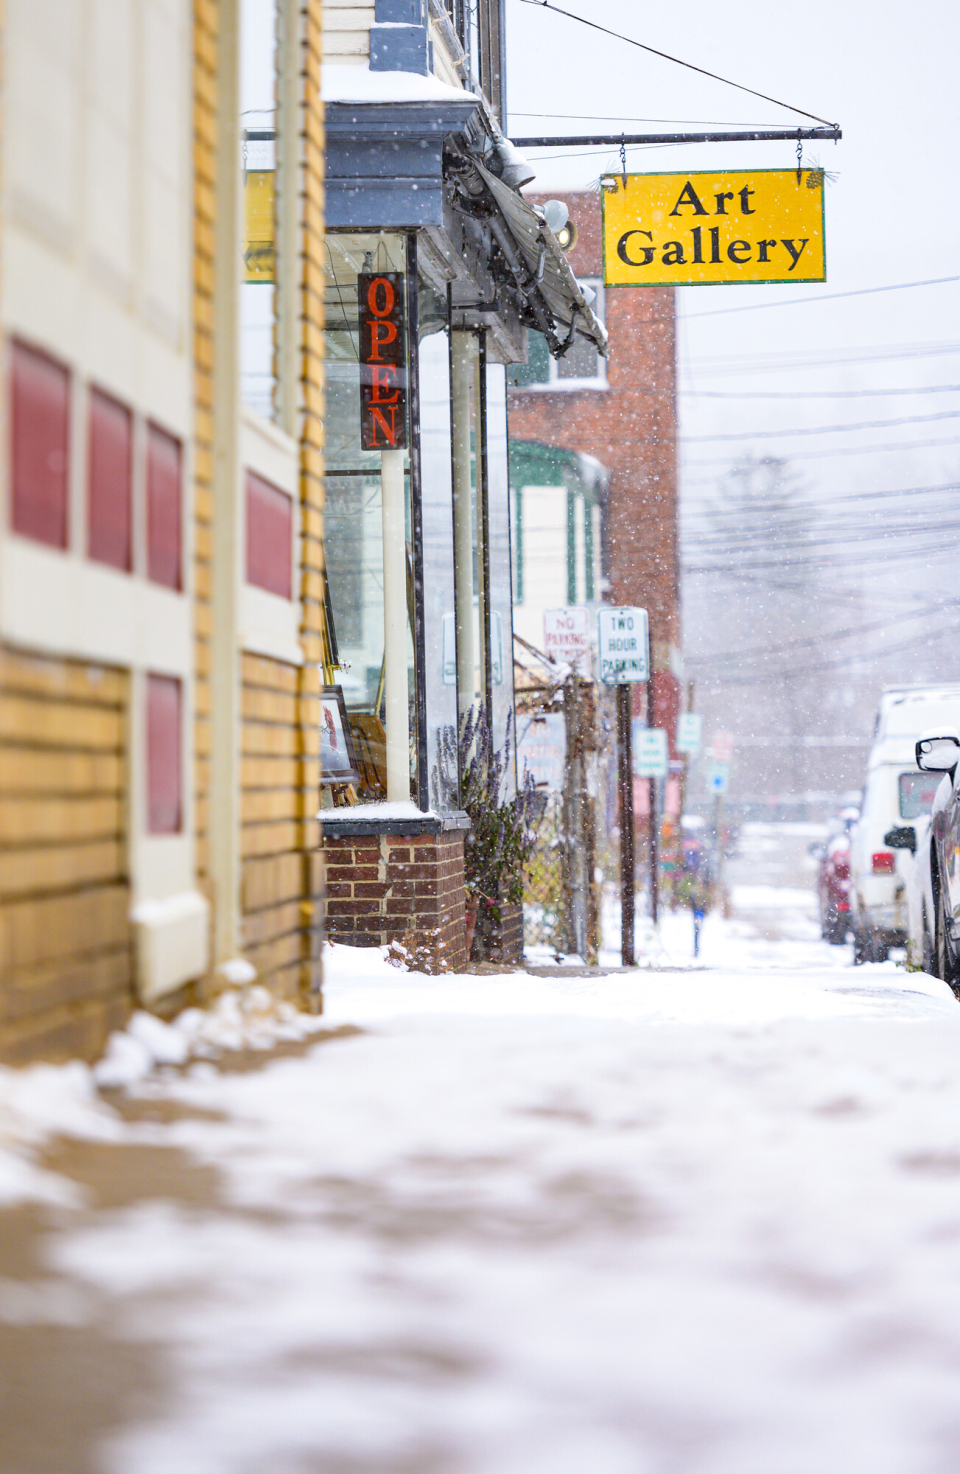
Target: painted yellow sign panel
{"type": "Point", "coordinates": [703, 229]}
{"type": "Point", "coordinates": [259, 249]}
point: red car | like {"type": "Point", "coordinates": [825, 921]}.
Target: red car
{"type": "Point", "coordinates": [833, 881]}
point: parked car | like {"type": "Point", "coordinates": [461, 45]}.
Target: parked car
{"type": "Point", "coordinates": [833, 877]}
{"type": "Point", "coordinates": [895, 795]}
{"type": "Point", "coordinates": [920, 910]}
{"type": "Point", "coordinates": [938, 754]}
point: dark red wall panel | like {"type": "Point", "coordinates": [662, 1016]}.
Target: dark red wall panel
{"type": "Point", "coordinates": [164, 515]}
{"type": "Point", "coordinates": [40, 429]}
{"type": "Point", "coordinates": [164, 755]}
{"type": "Point", "coordinates": [109, 483]}
{"type": "Point", "coordinates": [269, 537]}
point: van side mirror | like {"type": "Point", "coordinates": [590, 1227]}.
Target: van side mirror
{"type": "Point", "coordinates": [939, 751]}
{"type": "Point", "coordinates": [904, 837]}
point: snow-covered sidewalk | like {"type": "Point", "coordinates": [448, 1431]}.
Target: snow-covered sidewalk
{"type": "Point", "coordinates": [702, 1221]}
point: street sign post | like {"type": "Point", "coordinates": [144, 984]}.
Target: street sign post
{"type": "Point", "coordinates": [566, 636]}
{"type": "Point", "coordinates": [700, 229]}
{"type": "Point", "coordinates": [651, 754]}
{"type": "Point", "coordinates": [689, 729]}
{"type": "Point", "coordinates": [624, 653]}
{"type": "Point", "coordinates": [624, 646]}
{"type": "Point", "coordinates": [718, 778]}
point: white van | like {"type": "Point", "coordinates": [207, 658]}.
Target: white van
{"type": "Point", "coordinates": [895, 796]}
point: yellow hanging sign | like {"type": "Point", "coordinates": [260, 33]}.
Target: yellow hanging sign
{"type": "Point", "coordinates": [259, 249]}
{"type": "Point", "coordinates": [703, 229]}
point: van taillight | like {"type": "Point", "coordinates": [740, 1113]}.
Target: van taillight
{"type": "Point", "coordinates": [884, 862]}
{"type": "Point", "coordinates": [841, 867]}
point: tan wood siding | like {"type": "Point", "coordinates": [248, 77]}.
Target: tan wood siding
{"type": "Point", "coordinates": [66, 964]}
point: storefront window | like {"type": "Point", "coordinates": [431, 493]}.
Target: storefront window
{"type": "Point", "coordinates": [439, 611]}
{"type": "Point", "coordinates": [258, 85]}
{"type": "Point", "coordinates": [353, 516]}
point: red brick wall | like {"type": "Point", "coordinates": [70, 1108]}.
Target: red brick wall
{"type": "Point", "coordinates": [631, 428]}
{"type": "Point", "coordinates": [380, 887]}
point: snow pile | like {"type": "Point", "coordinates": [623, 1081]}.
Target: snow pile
{"type": "Point", "coordinates": [247, 1018]}
{"type": "Point", "coordinates": [353, 82]}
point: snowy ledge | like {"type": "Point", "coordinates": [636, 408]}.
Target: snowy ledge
{"type": "Point", "coordinates": [389, 818]}
{"type": "Point", "coordinates": [356, 83]}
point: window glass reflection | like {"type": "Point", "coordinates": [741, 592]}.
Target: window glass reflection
{"type": "Point", "coordinates": [258, 86]}
{"type": "Point", "coordinates": [353, 515]}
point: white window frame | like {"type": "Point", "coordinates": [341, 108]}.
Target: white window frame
{"type": "Point", "coordinates": [269, 624]}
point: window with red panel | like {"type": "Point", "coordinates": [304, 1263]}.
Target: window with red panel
{"type": "Point", "coordinates": [164, 534]}
{"type": "Point", "coordinates": [164, 755]}
{"type": "Point", "coordinates": [110, 482]}
{"type": "Point", "coordinates": [40, 429]}
{"type": "Point", "coordinates": [269, 537]}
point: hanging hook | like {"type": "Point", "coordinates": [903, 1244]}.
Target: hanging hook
{"type": "Point", "coordinates": [623, 159]}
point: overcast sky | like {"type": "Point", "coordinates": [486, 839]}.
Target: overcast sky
{"type": "Point", "coordinates": [887, 74]}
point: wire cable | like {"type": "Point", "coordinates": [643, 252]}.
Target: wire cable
{"type": "Point", "coordinates": [820, 667]}
{"type": "Point", "coordinates": [943, 414]}
{"type": "Point", "coordinates": [546, 5]}
{"type": "Point", "coordinates": [847, 450]}
{"type": "Point", "coordinates": [621, 118]}
{"type": "Point", "coordinates": [722, 656]}
{"type": "Point", "coordinates": [730, 366]}
{"type": "Point", "coordinates": [936, 281]}
{"type": "Point", "coordinates": [816, 393]}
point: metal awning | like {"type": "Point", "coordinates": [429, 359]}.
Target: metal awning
{"type": "Point", "coordinates": [546, 267]}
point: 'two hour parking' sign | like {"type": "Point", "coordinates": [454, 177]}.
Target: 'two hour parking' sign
{"type": "Point", "coordinates": [624, 646]}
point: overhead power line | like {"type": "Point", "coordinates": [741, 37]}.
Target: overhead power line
{"type": "Point", "coordinates": [629, 40]}
{"type": "Point", "coordinates": [824, 638]}
{"type": "Point", "coordinates": [835, 504]}
{"type": "Point", "coordinates": [945, 414]}
{"type": "Point", "coordinates": [839, 663]}
{"type": "Point", "coordinates": [793, 544]}
{"type": "Point", "coordinates": [712, 516]}
{"type": "Point", "coordinates": [845, 450]}
{"type": "Point", "coordinates": [731, 366]}
{"type": "Point", "coordinates": [902, 286]}
{"type": "Point", "coordinates": [932, 549]}
{"type": "Point", "coordinates": [818, 393]}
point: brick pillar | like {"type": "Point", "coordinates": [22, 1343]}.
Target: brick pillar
{"type": "Point", "coordinates": [381, 886]}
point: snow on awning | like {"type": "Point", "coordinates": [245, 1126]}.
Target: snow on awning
{"type": "Point", "coordinates": [544, 258]}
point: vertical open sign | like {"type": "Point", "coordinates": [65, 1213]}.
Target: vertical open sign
{"type": "Point", "coordinates": [383, 372]}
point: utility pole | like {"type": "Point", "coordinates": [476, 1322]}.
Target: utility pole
{"type": "Point", "coordinates": [654, 825]}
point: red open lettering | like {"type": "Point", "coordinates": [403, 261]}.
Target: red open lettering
{"type": "Point", "coordinates": [383, 380]}
{"type": "Point", "coordinates": [379, 424]}
{"type": "Point", "coordinates": [381, 296]}
{"type": "Point", "coordinates": [381, 335]}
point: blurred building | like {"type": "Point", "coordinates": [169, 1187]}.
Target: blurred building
{"type": "Point", "coordinates": [160, 556]}
{"type": "Point", "coordinates": [621, 412]}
